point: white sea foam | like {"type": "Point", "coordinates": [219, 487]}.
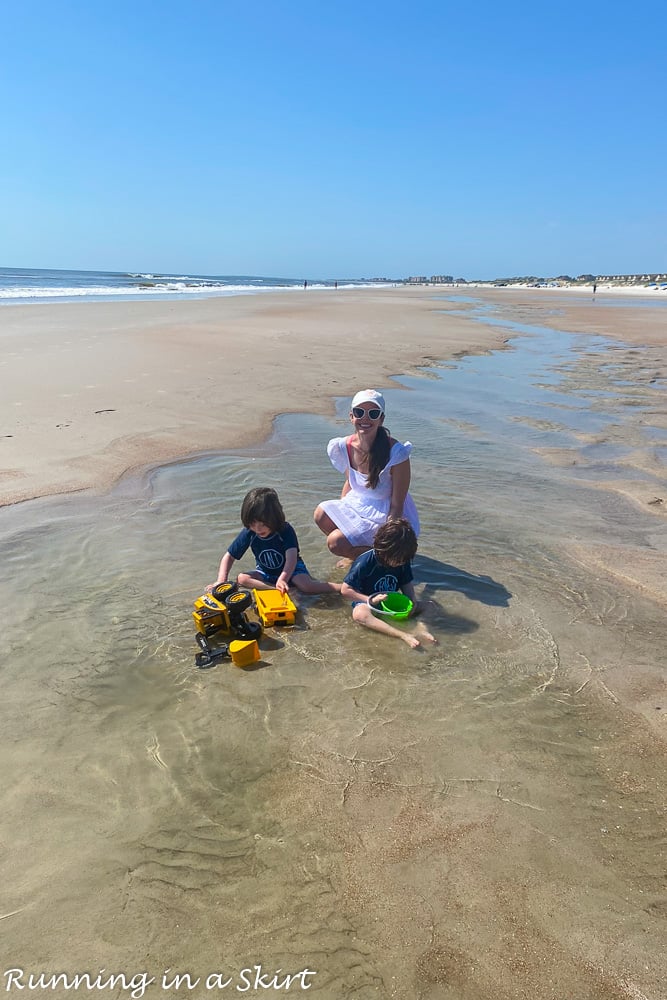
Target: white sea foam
{"type": "Point", "coordinates": [101, 290]}
{"type": "Point", "coordinates": [160, 288]}
{"type": "Point", "coordinates": [176, 287]}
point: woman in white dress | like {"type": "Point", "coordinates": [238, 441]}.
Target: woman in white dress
{"type": "Point", "coordinates": [377, 477]}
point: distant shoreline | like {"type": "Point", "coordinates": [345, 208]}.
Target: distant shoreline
{"type": "Point", "coordinates": [50, 286]}
{"type": "Point", "coordinates": [657, 291]}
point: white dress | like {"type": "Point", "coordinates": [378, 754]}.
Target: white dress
{"type": "Point", "coordinates": [361, 511]}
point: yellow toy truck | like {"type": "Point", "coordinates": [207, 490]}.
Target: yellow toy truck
{"type": "Point", "coordinates": [274, 608]}
{"type": "Point", "coordinates": [223, 610]}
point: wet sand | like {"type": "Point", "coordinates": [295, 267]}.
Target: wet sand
{"type": "Point", "coordinates": [89, 391]}
{"type": "Point", "coordinates": [634, 318]}
{"type": "Point", "coordinates": [482, 819]}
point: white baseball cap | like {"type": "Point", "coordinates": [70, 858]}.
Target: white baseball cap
{"type": "Point", "coordinates": [368, 396]}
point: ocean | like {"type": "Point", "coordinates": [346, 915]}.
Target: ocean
{"type": "Point", "coordinates": [25, 284]}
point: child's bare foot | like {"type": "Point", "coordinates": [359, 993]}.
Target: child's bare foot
{"type": "Point", "coordinates": [423, 633]}
{"type": "Point", "coordinates": [411, 640]}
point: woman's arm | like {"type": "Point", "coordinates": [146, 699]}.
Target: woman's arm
{"type": "Point", "coordinates": [346, 486]}
{"type": "Point", "coordinates": [400, 483]}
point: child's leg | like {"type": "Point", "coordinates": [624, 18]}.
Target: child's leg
{"type": "Point", "coordinates": [363, 614]}
{"type": "Point", "coordinates": [419, 608]}
{"type": "Point", "coordinates": [423, 633]}
{"type": "Point", "coordinates": [255, 581]}
{"type": "Point", "coordinates": [307, 585]}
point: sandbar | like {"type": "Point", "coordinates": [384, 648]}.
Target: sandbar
{"type": "Point", "coordinates": [92, 390]}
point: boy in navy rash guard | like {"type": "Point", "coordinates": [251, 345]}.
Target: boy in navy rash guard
{"type": "Point", "coordinates": [385, 569]}
{"type": "Point", "coordinates": [274, 544]}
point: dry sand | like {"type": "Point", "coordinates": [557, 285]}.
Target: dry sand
{"type": "Point", "coordinates": [89, 391]}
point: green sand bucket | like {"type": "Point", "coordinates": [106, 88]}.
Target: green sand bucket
{"type": "Point", "coordinates": [395, 605]}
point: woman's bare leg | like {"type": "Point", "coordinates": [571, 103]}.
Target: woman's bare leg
{"type": "Point", "coordinates": [339, 545]}
{"type": "Point", "coordinates": [336, 540]}
{"type": "Point", "coordinates": [323, 521]}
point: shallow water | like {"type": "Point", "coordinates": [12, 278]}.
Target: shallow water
{"type": "Point", "coordinates": [485, 817]}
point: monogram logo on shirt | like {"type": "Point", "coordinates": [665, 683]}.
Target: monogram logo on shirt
{"type": "Point", "coordinates": [387, 584]}
{"type": "Point", "coordinates": [270, 559]}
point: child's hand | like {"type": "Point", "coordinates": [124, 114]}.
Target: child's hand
{"type": "Point", "coordinates": [282, 586]}
{"type": "Point", "coordinates": [417, 608]}
{"type": "Point", "coordinates": [376, 599]}
{"type": "Point", "coordinates": [211, 586]}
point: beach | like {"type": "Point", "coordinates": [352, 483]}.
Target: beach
{"type": "Point", "coordinates": [92, 390]}
{"type": "Point", "coordinates": [482, 818]}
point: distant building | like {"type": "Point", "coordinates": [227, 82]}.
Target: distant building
{"type": "Point", "coordinates": [631, 279]}
{"type": "Point", "coordinates": [435, 279]}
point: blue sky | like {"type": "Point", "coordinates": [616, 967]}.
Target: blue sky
{"type": "Point", "coordinates": [334, 140]}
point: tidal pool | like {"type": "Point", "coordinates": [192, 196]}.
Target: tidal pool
{"type": "Point", "coordinates": [481, 818]}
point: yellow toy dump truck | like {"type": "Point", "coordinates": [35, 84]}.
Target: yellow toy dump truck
{"type": "Point", "coordinates": [223, 611]}
{"type": "Point", "coordinates": [274, 608]}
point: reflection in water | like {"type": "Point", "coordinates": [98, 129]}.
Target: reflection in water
{"type": "Point", "coordinates": [484, 818]}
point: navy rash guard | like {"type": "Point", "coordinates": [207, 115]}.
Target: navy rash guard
{"type": "Point", "coordinates": [269, 552]}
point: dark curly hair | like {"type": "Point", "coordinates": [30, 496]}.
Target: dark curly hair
{"type": "Point", "coordinates": [262, 504]}
{"type": "Point", "coordinates": [395, 542]}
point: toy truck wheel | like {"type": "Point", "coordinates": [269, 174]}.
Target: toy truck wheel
{"type": "Point", "coordinates": [239, 601]}
{"type": "Point", "coordinates": [223, 590]}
